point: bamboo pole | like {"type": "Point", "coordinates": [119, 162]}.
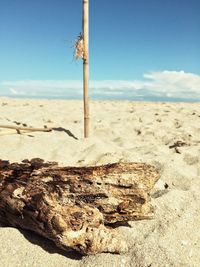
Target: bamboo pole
{"type": "Point", "coordinates": [85, 23]}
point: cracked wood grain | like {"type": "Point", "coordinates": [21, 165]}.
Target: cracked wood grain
{"type": "Point", "coordinates": [76, 206]}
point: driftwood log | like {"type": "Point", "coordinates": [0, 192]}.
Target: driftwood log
{"type": "Point", "coordinates": [76, 206]}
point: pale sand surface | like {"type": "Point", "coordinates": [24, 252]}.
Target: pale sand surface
{"type": "Point", "coordinates": [120, 131]}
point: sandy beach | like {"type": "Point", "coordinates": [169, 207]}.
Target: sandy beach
{"type": "Point", "coordinates": [166, 135]}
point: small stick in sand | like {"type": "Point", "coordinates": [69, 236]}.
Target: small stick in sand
{"type": "Point", "coordinates": [30, 129]}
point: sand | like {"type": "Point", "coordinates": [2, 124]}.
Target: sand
{"type": "Point", "coordinates": [120, 131]}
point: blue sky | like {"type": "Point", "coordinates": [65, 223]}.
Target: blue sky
{"type": "Point", "coordinates": [141, 47]}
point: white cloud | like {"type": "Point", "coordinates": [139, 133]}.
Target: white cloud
{"type": "Point", "coordinates": [165, 84]}
{"type": "Point", "coordinates": [174, 81]}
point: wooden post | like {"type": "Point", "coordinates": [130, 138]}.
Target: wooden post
{"type": "Point", "coordinates": [86, 67]}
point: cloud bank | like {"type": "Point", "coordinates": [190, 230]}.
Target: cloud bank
{"type": "Point", "coordinates": [163, 85]}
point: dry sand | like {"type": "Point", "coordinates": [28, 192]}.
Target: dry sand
{"type": "Point", "coordinates": [120, 131]}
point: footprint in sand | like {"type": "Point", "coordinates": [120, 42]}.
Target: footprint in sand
{"type": "Point", "coordinates": [190, 159]}
{"type": "Point", "coordinates": [176, 179]}
{"type": "Point", "coordinates": [119, 141]}
{"type": "Point", "coordinates": [182, 182]}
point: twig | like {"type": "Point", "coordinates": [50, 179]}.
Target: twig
{"type": "Point", "coordinates": [178, 144]}
{"type": "Point", "coordinates": [30, 129]}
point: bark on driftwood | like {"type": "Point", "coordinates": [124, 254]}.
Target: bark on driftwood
{"type": "Point", "coordinates": [76, 206]}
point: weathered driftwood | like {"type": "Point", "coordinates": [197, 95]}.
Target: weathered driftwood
{"type": "Point", "coordinates": [76, 206]}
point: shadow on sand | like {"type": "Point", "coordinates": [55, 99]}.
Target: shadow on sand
{"type": "Point", "coordinates": [47, 244]}
{"type": "Point", "coordinates": [61, 129]}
